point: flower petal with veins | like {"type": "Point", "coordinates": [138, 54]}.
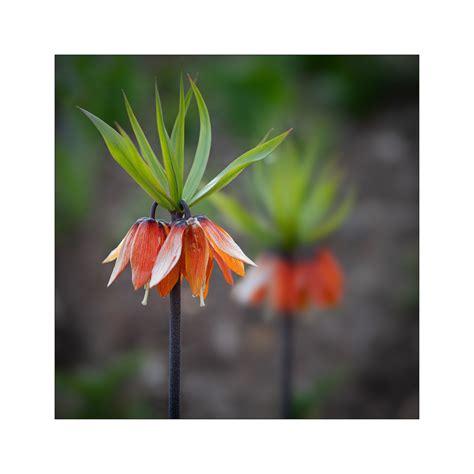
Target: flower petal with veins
{"type": "Point", "coordinates": [196, 256]}
{"type": "Point", "coordinates": [148, 240]}
{"type": "Point", "coordinates": [210, 266]}
{"type": "Point", "coordinates": [124, 253]}
{"type": "Point", "coordinates": [165, 286]}
{"type": "Point", "coordinates": [223, 266]}
{"type": "Point", "coordinates": [232, 263]}
{"type": "Point", "coordinates": [221, 240]}
{"type": "Point", "coordinates": [169, 254]}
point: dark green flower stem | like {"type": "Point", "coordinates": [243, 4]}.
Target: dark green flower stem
{"type": "Point", "coordinates": [174, 355]}
{"type": "Point", "coordinates": [174, 383]}
{"type": "Point", "coordinates": [174, 335]}
{"type": "Point", "coordinates": [153, 210]}
{"type": "Point", "coordinates": [287, 323]}
{"type": "Point", "coordinates": [185, 207]}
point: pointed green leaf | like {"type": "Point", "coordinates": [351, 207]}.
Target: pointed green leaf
{"type": "Point", "coordinates": [178, 148]}
{"type": "Point", "coordinates": [120, 151]}
{"type": "Point", "coordinates": [166, 148]}
{"type": "Point", "coordinates": [145, 171]}
{"type": "Point", "coordinates": [242, 220]}
{"type": "Point", "coordinates": [229, 173]}
{"type": "Point", "coordinates": [203, 148]}
{"type": "Point", "coordinates": [334, 221]}
{"type": "Point", "coordinates": [145, 147]}
{"type": "Point", "coordinates": [265, 137]}
{"type": "Point", "coordinates": [187, 102]}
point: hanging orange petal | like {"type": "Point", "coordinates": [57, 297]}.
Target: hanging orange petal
{"type": "Point", "coordinates": [283, 295]}
{"type": "Point", "coordinates": [326, 284]}
{"type": "Point", "coordinates": [210, 266]}
{"type": "Point", "coordinates": [196, 256]}
{"type": "Point", "coordinates": [332, 267]}
{"type": "Point", "coordinates": [235, 265]}
{"type": "Point", "coordinates": [124, 253]}
{"type": "Point", "coordinates": [167, 284]}
{"type": "Point", "coordinates": [165, 226]}
{"type": "Point", "coordinates": [148, 240]}
{"type": "Point", "coordinates": [169, 253]}
{"type": "Point", "coordinates": [302, 275]}
{"type": "Point", "coordinates": [222, 241]}
{"type": "Point", "coordinates": [223, 266]}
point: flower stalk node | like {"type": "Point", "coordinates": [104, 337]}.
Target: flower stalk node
{"type": "Point", "coordinates": [186, 210]}
{"type": "Point", "coordinates": [153, 210]}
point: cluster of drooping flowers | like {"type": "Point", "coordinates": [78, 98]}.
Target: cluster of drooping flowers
{"type": "Point", "coordinates": [161, 254]}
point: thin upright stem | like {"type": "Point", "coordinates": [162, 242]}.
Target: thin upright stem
{"type": "Point", "coordinates": [286, 351]}
{"type": "Point", "coordinates": [174, 351]}
{"type": "Point", "coordinates": [174, 387]}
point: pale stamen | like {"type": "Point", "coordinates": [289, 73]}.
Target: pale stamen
{"type": "Point", "coordinates": [145, 298]}
{"type": "Point", "coordinates": [201, 298]}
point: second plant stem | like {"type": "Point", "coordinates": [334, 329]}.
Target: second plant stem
{"type": "Point", "coordinates": [286, 350]}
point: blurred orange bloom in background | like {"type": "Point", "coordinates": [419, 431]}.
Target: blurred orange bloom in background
{"type": "Point", "coordinates": [292, 284]}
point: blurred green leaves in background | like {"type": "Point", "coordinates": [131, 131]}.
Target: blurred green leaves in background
{"type": "Point", "coordinates": [102, 392]}
{"type": "Point", "coordinates": [309, 403]}
{"type": "Point", "coordinates": [247, 95]}
{"type": "Point", "coordinates": [298, 196]}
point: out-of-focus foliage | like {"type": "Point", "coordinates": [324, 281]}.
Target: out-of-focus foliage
{"type": "Point", "coordinates": [309, 403]}
{"type": "Point", "coordinates": [101, 393]}
{"type": "Point", "coordinates": [85, 80]}
{"type": "Point", "coordinates": [299, 196]}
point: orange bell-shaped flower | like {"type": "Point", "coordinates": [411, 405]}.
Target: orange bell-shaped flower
{"type": "Point", "coordinates": [189, 251]}
{"type": "Point", "coordinates": [139, 247]}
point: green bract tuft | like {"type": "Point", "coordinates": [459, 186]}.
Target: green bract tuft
{"type": "Point", "coordinates": [165, 180]}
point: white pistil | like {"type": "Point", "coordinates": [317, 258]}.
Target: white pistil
{"type": "Point", "coordinates": [145, 298]}
{"type": "Point", "coordinates": [201, 298]}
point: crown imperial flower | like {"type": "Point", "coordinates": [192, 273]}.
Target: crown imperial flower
{"type": "Point", "coordinates": [140, 247]}
{"type": "Point", "coordinates": [292, 284]}
{"type": "Point", "coordinates": [190, 250]}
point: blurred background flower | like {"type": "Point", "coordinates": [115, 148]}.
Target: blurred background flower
{"type": "Point", "coordinates": [296, 203]}
{"type": "Point", "coordinates": [361, 362]}
{"type": "Point", "coordinates": [292, 203]}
